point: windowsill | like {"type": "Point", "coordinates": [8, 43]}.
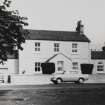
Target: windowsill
{"type": "Point", "coordinates": [100, 71]}
{"type": "Point", "coordinates": [37, 52]}
{"type": "Point", "coordinates": [56, 52]}
{"type": "Point", "coordinates": [75, 54]}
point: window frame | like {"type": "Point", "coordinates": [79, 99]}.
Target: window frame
{"type": "Point", "coordinates": [60, 65]}
{"type": "Point", "coordinates": [37, 66]}
{"type": "Point", "coordinates": [37, 46]}
{"type": "Point", "coordinates": [100, 66]}
{"type": "Point", "coordinates": [56, 47]}
{"type": "Point", "coordinates": [75, 66]}
{"type": "Point", "coordinates": [74, 48]}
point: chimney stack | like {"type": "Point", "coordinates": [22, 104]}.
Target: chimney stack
{"type": "Point", "coordinates": [80, 27]}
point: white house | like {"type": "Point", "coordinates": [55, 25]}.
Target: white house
{"type": "Point", "coordinates": [64, 48]}
{"type": "Point", "coordinates": [98, 60]}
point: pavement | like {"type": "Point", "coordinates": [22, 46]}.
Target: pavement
{"type": "Point", "coordinates": [94, 78]}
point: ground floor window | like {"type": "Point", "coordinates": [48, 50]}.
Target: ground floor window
{"type": "Point", "coordinates": [100, 66]}
{"type": "Point", "coordinates": [75, 65]}
{"type": "Point", "coordinates": [60, 65]}
{"type": "Point", "coordinates": [37, 66]}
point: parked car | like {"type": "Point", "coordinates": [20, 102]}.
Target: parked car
{"type": "Point", "coordinates": [69, 77]}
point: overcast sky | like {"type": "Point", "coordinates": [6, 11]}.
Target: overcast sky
{"type": "Point", "coordinates": [64, 14]}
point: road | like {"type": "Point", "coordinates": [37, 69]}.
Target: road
{"type": "Point", "coordinates": [60, 94]}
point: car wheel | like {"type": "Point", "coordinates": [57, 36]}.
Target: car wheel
{"type": "Point", "coordinates": [81, 80]}
{"type": "Point", "coordinates": [59, 80]}
{"type": "Point", "coordinates": [55, 82]}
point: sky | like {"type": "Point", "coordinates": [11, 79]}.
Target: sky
{"type": "Point", "coordinates": [64, 14]}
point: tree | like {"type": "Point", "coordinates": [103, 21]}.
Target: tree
{"type": "Point", "coordinates": [12, 33]}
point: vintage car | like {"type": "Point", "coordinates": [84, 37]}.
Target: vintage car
{"type": "Point", "coordinates": [69, 77]}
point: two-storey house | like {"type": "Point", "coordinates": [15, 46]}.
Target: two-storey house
{"type": "Point", "coordinates": [67, 50]}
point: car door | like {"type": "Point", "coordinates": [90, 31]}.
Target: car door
{"type": "Point", "coordinates": [73, 77]}
{"type": "Point", "coordinates": [66, 77]}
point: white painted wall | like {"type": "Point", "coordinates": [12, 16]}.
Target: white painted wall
{"type": "Point", "coordinates": [30, 79]}
{"type": "Point", "coordinates": [28, 56]}
{"type": "Point", "coordinates": [11, 66]}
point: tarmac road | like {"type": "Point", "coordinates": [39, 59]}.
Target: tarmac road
{"type": "Point", "coordinates": [54, 86]}
{"type": "Point", "coordinates": [60, 94]}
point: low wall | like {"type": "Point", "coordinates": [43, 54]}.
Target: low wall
{"type": "Point", "coordinates": [45, 79]}
{"type": "Point", "coordinates": [30, 79]}
{"type": "Point", "coordinates": [96, 78]}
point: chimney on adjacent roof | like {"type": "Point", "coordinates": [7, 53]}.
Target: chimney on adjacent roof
{"type": "Point", "coordinates": [80, 27]}
{"type": "Point", "coordinates": [103, 48]}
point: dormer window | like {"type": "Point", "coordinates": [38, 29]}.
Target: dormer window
{"type": "Point", "coordinates": [37, 46]}
{"type": "Point", "coordinates": [56, 47]}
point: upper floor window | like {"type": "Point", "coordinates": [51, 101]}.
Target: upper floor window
{"type": "Point", "coordinates": [37, 66]}
{"type": "Point", "coordinates": [56, 47]}
{"type": "Point", "coordinates": [37, 46]}
{"type": "Point", "coordinates": [100, 66]}
{"type": "Point", "coordinates": [74, 48]}
{"type": "Point", "coordinates": [75, 65]}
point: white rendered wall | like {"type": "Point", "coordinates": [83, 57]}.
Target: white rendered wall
{"type": "Point", "coordinates": [28, 56]}
{"type": "Point", "coordinates": [11, 66]}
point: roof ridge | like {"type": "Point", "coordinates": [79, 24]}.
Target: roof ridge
{"type": "Point", "coordinates": [47, 30]}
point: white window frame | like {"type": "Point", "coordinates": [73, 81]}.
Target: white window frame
{"type": "Point", "coordinates": [37, 66]}
{"type": "Point", "coordinates": [75, 65]}
{"type": "Point", "coordinates": [100, 66]}
{"type": "Point", "coordinates": [60, 65]}
{"type": "Point", "coordinates": [74, 48]}
{"type": "Point", "coordinates": [37, 46]}
{"type": "Point", "coordinates": [56, 47]}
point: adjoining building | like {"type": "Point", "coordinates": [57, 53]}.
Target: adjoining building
{"type": "Point", "coordinates": [98, 60]}
{"type": "Point", "coordinates": [11, 65]}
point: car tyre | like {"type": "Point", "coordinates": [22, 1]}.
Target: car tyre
{"type": "Point", "coordinates": [81, 80]}
{"type": "Point", "coordinates": [55, 82]}
{"type": "Point", "coordinates": [59, 80]}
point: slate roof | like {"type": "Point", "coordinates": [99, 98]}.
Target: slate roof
{"type": "Point", "coordinates": [97, 55]}
{"type": "Point", "coordinates": [56, 36]}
